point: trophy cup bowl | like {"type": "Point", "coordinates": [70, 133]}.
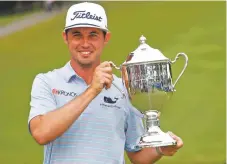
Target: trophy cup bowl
{"type": "Point", "coordinates": [147, 77]}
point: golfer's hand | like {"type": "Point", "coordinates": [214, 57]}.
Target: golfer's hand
{"type": "Point", "coordinates": [171, 150]}
{"type": "Point", "coordinates": [102, 77]}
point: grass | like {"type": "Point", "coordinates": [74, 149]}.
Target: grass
{"type": "Point", "coordinates": [196, 112]}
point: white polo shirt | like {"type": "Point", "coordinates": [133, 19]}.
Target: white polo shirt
{"type": "Point", "coordinates": [107, 127]}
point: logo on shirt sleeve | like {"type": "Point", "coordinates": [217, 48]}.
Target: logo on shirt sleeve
{"type": "Point", "coordinates": [64, 93]}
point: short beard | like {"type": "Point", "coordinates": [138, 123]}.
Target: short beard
{"type": "Point", "coordinates": [88, 65]}
{"type": "Point", "coordinates": [83, 65]}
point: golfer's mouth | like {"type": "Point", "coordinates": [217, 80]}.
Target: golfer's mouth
{"type": "Point", "coordinates": [85, 53]}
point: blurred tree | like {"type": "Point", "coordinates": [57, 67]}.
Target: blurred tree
{"type": "Point", "coordinates": [7, 7]}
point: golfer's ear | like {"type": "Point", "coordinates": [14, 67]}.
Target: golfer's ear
{"type": "Point", "coordinates": [107, 37]}
{"type": "Point", "coordinates": [65, 38]}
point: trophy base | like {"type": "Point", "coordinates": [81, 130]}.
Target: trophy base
{"type": "Point", "coordinates": [156, 138]}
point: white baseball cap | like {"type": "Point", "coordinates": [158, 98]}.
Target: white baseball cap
{"type": "Point", "coordinates": [86, 14]}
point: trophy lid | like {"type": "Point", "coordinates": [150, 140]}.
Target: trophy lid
{"type": "Point", "coordinates": [144, 53]}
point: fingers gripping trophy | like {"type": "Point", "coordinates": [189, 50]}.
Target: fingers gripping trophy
{"type": "Point", "coordinates": [147, 78]}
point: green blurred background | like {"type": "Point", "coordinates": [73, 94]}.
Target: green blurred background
{"type": "Point", "coordinates": [196, 112]}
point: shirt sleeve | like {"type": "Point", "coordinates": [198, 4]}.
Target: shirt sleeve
{"type": "Point", "coordinates": [42, 99]}
{"type": "Point", "coordinates": [135, 128]}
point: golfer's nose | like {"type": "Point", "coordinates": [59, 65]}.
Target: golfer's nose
{"type": "Point", "coordinates": [85, 43]}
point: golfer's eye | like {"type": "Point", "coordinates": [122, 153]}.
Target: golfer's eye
{"type": "Point", "coordinates": [77, 34]}
{"type": "Point", "coordinates": [93, 34]}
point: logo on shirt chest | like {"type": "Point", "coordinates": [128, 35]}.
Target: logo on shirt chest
{"type": "Point", "coordinates": [63, 93]}
{"type": "Point", "coordinates": [110, 102]}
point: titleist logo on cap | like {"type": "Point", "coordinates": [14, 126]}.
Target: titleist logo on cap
{"type": "Point", "coordinates": [87, 15]}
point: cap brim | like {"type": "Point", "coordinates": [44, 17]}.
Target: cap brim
{"type": "Point", "coordinates": [85, 25]}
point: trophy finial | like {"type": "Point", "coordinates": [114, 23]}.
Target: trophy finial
{"type": "Point", "coordinates": [142, 39]}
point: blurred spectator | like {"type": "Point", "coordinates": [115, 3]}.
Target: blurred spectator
{"type": "Point", "coordinates": [50, 4]}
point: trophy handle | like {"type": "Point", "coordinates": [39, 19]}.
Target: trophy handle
{"type": "Point", "coordinates": [185, 65]}
{"type": "Point", "coordinates": [113, 65]}
{"type": "Point", "coordinates": [118, 68]}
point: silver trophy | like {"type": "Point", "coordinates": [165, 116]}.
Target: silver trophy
{"type": "Point", "coordinates": [147, 77]}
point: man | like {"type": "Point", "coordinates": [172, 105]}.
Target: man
{"type": "Point", "coordinates": [76, 112]}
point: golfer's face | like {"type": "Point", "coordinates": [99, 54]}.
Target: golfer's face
{"type": "Point", "coordinates": [86, 44]}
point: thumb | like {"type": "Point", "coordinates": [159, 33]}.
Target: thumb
{"type": "Point", "coordinates": [178, 139]}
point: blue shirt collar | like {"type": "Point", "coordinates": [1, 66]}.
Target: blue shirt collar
{"type": "Point", "coordinates": [68, 72]}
